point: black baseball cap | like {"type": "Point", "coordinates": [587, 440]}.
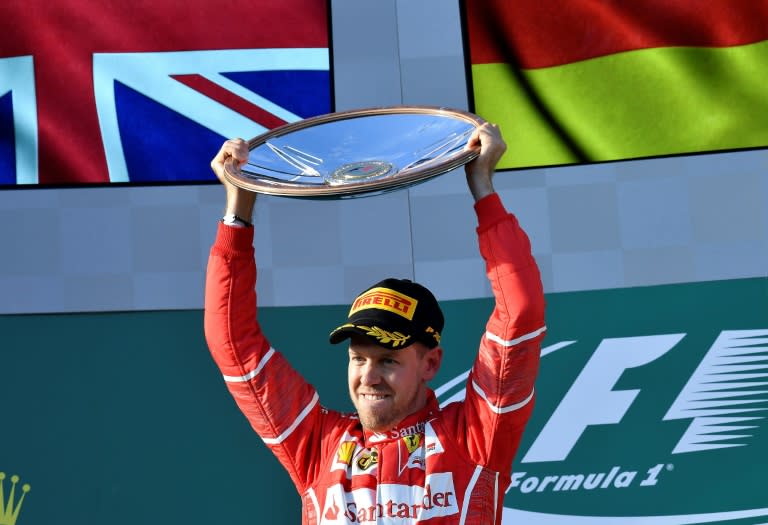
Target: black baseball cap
{"type": "Point", "coordinates": [394, 313]}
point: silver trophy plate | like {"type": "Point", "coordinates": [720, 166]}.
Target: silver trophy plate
{"type": "Point", "coordinates": [357, 153]}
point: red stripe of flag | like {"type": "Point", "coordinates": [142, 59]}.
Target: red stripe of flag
{"type": "Point", "coordinates": [545, 33]}
{"type": "Point", "coordinates": [27, 26]}
{"type": "Point", "coordinates": [232, 101]}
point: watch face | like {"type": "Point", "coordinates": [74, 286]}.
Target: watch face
{"type": "Point", "coordinates": [357, 153]}
{"type": "Point", "coordinates": [231, 219]}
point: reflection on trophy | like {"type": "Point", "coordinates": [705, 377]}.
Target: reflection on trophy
{"type": "Point", "coordinates": [357, 153]}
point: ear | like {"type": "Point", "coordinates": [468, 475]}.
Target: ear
{"type": "Point", "coordinates": [432, 361]}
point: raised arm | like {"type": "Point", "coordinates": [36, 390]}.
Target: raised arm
{"type": "Point", "coordinates": [280, 406]}
{"type": "Point", "coordinates": [500, 389]}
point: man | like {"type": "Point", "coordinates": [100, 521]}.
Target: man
{"type": "Point", "coordinates": [401, 458]}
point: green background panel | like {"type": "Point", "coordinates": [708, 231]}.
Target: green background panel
{"type": "Point", "coordinates": [123, 418]}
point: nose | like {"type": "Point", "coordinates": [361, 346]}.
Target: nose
{"type": "Point", "coordinates": [369, 375]}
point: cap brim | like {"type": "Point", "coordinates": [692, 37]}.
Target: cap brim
{"type": "Point", "coordinates": [342, 333]}
{"type": "Point", "coordinates": [380, 337]}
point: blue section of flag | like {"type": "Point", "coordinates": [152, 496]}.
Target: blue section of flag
{"type": "Point", "coordinates": [7, 141]}
{"type": "Point", "coordinates": [160, 144]}
{"type": "Point", "coordinates": [305, 93]}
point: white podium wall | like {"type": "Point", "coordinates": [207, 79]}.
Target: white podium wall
{"type": "Point", "coordinates": [613, 225]}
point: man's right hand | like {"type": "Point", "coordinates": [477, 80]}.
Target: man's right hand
{"type": "Point", "coordinates": [240, 202]}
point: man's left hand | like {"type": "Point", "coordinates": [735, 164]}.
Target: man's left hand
{"type": "Point", "coordinates": [480, 171]}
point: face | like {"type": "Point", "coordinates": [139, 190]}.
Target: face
{"type": "Point", "coordinates": [388, 385]}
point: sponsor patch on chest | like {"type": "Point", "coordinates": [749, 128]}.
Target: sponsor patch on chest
{"type": "Point", "coordinates": [392, 503]}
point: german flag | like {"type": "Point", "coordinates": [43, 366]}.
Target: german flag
{"type": "Point", "coordinates": [594, 80]}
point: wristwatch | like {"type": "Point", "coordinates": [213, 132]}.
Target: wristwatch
{"type": "Point", "coordinates": [230, 219]}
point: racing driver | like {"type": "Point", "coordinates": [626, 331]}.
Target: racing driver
{"type": "Point", "coordinates": [401, 458]}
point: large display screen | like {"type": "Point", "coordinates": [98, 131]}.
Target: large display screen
{"type": "Point", "coordinates": [145, 91]}
{"type": "Point", "coordinates": [581, 81]}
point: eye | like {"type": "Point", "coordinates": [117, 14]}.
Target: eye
{"type": "Point", "coordinates": [356, 359]}
{"type": "Point", "coordinates": [389, 361]}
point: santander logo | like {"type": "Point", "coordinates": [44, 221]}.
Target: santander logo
{"type": "Point", "coordinates": [436, 498]}
{"type": "Point", "coordinates": [332, 513]}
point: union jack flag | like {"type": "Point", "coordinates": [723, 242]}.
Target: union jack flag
{"type": "Point", "coordinates": [146, 91]}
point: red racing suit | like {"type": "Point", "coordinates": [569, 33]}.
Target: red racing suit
{"type": "Point", "coordinates": [439, 465]}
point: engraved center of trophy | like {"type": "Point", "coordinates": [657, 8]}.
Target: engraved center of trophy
{"type": "Point", "coordinates": [360, 172]}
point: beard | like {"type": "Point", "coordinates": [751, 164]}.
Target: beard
{"type": "Point", "coordinates": [382, 416]}
{"type": "Point", "coordinates": [377, 420]}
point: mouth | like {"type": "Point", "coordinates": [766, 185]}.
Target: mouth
{"type": "Point", "coordinates": [373, 397]}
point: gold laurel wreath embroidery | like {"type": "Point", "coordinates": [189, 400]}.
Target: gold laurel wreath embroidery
{"type": "Point", "coordinates": [434, 333]}
{"type": "Point", "coordinates": [395, 338]}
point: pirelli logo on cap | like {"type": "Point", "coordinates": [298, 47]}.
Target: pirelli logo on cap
{"type": "Point", "coordinates": [385, 299]}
